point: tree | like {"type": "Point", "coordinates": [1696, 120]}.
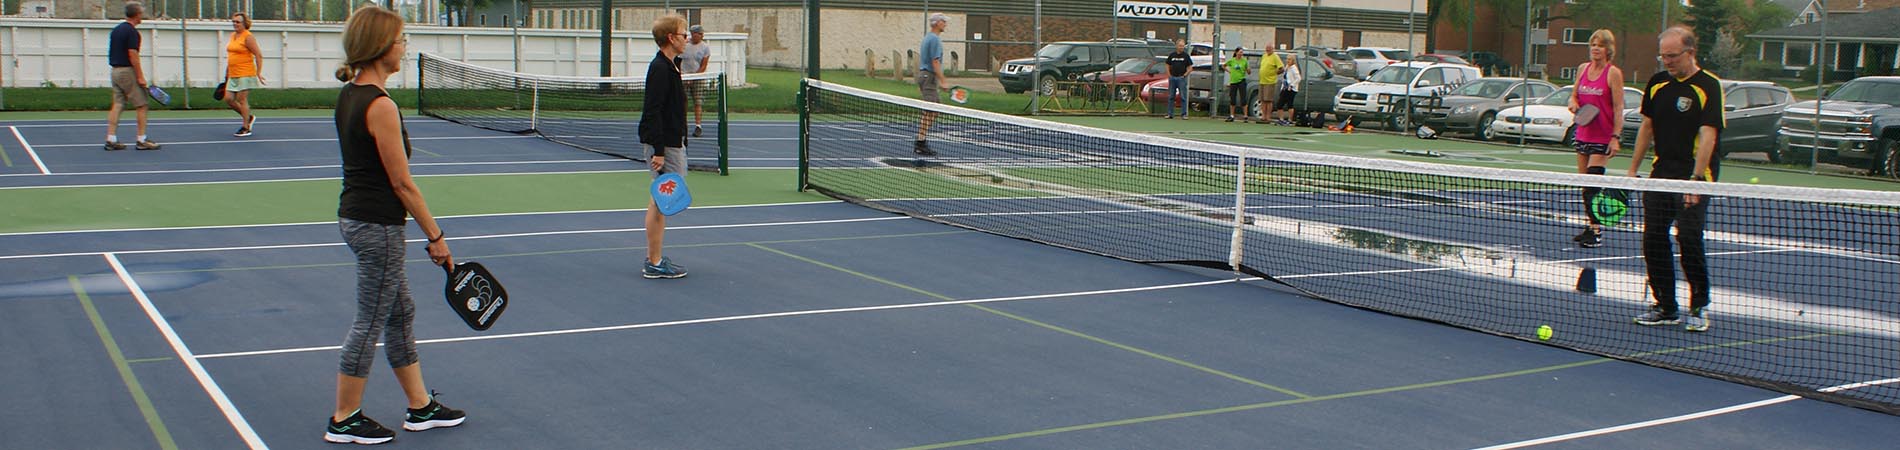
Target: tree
{"type": "Point", "coordinates": [1624, 17]}
{"type": "Point", "coordinates": [1709, 19]}
{"type": "Point", "coordinates": [1760, 17]}
{"type": "Point", "coordinates": [1460, 12]}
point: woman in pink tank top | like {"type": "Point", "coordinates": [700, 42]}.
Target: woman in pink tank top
{"type": "Point", "coordinates": [1599, 87]}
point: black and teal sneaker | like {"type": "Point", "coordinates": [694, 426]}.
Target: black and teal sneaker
{"type": "Point", "coordinates": [357, 429]}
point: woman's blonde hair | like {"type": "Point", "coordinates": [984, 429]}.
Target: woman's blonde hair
{"type": "Point", "coordinates": [246, 16]}
{"type": "Point", "coordinates": [1607, 39]}
{"type": "Point", "coordinates": [370, 33]}
{"type": "Point", "coordinates": [666, 26]}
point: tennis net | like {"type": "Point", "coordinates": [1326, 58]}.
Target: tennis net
{"type": "Point", "coordinates": [1805, 283]}
{"type": "Point", "coordinates": [596, 114]}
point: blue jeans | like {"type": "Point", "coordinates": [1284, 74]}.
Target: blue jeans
{"type": "Point", "coordinates": [1177, 92]}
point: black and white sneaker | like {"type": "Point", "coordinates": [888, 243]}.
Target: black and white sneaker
{"type": "Point", "coordinates": [357, 429]}
{"type": "Point", "coordinates": [922, 148]}
{"type": "Point", "coordinates": [433, 415]}
{"type": "Point", "coordinates": [696, 130]}
{"type": "Point", "coordinates": [242, 132]}
{"type": "Point", "coordinates": [1590, 239]}
{"type": "Point", "coordinates": [1656, 316]}
{"type": "Point", "coordinates": [1696, 321]}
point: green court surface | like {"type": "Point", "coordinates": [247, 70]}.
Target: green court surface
{"type": "Point", "coordinates": [250, 203]}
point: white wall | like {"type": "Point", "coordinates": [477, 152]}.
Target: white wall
{"type": "Point", "coordinates": [71, 53]}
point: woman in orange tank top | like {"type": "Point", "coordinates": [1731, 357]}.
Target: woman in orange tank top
{"type": "Point", "coordinates": [241, 73]}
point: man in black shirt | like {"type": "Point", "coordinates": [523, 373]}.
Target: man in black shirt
{"type": "Point", "coordinates": [663, 131]}
{"type": "Point", "coordinates": [1178, 64]}
{"type": "Point", "coordinates": [1682, 115]}
{"type": "Point", "coordinates": [128, 78]}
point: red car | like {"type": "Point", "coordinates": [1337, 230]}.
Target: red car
{"type": "Point", "coordinates": [1443, 58]}
{"type": "Point", "coordinates": [1130, 76]}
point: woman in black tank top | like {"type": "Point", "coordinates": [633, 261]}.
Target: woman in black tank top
{"type": "Point", "coordinates": [378, 193]}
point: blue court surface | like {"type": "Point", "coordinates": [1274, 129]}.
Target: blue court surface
{"type": "Point", "coordinates": [805, 325]}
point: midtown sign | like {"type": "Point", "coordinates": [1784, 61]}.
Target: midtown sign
{"type": "Point", "coordinates": [1159, 11]}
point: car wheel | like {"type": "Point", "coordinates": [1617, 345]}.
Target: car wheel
{"type": "Point", "coordinates": [1570, 136]}
{"type": "Point", "coordinates": [1892, 164]}
{"type": "Point", "coordinates": [1778, 153]}
{"type": "Point", "coordinates": [1046, 84]}
{"type": "Point", "coordinates": [1484, 127]}
{"type": "Point", "coordinates": [1395, 122]}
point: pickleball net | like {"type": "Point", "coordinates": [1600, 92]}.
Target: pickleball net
{"type": "Point", "coordinates": [597, 114]}
{"type": "Point", "coordinates": [1805, 283]}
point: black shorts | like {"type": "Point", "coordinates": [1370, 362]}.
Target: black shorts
{"type": "Point", "coordinates": [1587, 149]}
{"type": "Point", "coordinates": [1286, 99]}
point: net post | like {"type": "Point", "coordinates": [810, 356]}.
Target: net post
{"type": "Point", "coordinates": [534, 107]}
{"type": "Point", "coordinates": [724, 148]}
{"type": "Point", "coordinates": [1240, 214]}
{"type": "Point", "coordinates": [804, 133]}
{"type": "Point", "coordinates": [422, 85]}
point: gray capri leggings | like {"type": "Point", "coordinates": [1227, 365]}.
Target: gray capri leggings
{"type": "Point", "coordinates": [383, 305]}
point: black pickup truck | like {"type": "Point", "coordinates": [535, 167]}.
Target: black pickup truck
{"type": "Point", "coordinates": [1859, 126]}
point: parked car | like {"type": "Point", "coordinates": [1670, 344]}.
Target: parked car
{"type": "Point", "coordinates": [1371, 59]}
{"type": "Point", "coordinates": [1156, 92]}
{"type": "Point", "coordinates": [1337, 61]}
{"type": "Point", "coordinates": [1315, 98]}
{"type": "Point", "coordinates": [1491, 63]}
{"type": "Point", "coordinates": [1129, 76]}
{"type": "Point", "coordinates": [1548, 119]}
{"type": "Point", "coordinates": [1064, 61]}
{"type": "Point", "coordinates": [1393, 90]}
{"type": "Point", "coordinates": [1860, 127]}
{"type": "Point", "coordinates": [1442, 58]}
{"type": "Point", "coordinates": [1472, 107]}
{"type": "Point", "coordinates": [1753, 111]}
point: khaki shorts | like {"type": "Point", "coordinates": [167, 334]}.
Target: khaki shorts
{"type": "Point", "coordinates": [675, 160]}
{"type": "Point", "coordinates": [927, 86]}
{"type": "Point", "coordinates": [125, 88]}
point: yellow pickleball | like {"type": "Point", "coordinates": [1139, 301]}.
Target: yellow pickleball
{"type": "Point", "coordinates": [1544, 332]}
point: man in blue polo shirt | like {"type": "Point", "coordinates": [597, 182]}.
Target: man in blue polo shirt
{"type": "Point", "coordinates": [128, 78]}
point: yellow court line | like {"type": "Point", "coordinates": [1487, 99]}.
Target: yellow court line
{"type": "Point", "coordinates": [152, 420]}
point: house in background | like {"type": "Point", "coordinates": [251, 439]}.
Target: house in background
{"type": "Point", "coordinates": [1857, 43]}
{"type": "Point", "coordinates": [1558, 43]}
{"type": "Point", "coordinates": [1809, 11]}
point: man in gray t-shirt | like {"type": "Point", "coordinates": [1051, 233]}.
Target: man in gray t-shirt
{"type": "Point", "coordinates": [694, 60]}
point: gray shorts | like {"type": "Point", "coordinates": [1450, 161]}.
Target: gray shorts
{"type": "Point", "coordinates": [675, 160]}
{"type": "Point", "coordinates": [927, 86]}
{"type": "Point", "coordinates": [125, 88]}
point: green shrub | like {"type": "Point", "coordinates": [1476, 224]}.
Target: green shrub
{"type": "Point", "coordinates": [1761, 70]}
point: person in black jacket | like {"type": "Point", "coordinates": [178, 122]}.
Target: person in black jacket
{"type": "Point", "coordinates": [663, 131]}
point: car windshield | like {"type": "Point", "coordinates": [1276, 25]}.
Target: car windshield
{"type": "Point", "coordinates": [1131, 65]}
{"type": "Point", "coordinates": [1485, 88]}
{"type": "Point", "coordinates": [1053, 51]}
{"type": "Point", "coordinates": [1559, 98]}
{"type": "Point", "coordinates": [1400, 55]}
{"type": "Point", "coordinates": [1395, 75]}
{"type": "Point", "coordinates": [1868, 91]}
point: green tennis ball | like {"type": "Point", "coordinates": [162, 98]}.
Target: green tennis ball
{"type": "Point", "coordinates": [1753, 180]}
{"type": "Point", "coordinates": [1544, 332]}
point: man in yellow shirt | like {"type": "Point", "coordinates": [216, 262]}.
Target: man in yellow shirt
{"type": "Point", "coordinates": [1270, 68]}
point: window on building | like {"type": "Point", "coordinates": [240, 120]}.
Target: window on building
{"type": "Point", "coordinates": [1577, 36]}
{"type": "Point", "coordinates": [1350, 38]}
{"type": "Point", "coordinates": [1799, 55]}
{"type": "Point", "coordinates": [1568, 73]}
{"type": "Point", "coordinates": [691, 15]}
{"type": "Point", "coordinates": [481, 20]}
{"type": "Point", "coordinates": [1771, 51]}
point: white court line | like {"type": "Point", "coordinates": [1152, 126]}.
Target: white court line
{"type": "Point", "coordinates": [458, 238]}
{"type": "Point", "coordinates": [30, 152]}
{"type": "Point", "coordinates": [285, 180]}
{"type": "Point", "coordinates": [464, 216]}
{"type": "Point", "coordinates": [744, 317]}
{"type": "Point", "coordinates": [1681, 418]}
{"type": "Point", "coordinates": [167, 122]}
{"type": "Point", "coordinates": [210, 386]}
{"type": "Point", "coordinates": [256, 141]}
{"type": "Point", "coordinates": [328, 166]}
